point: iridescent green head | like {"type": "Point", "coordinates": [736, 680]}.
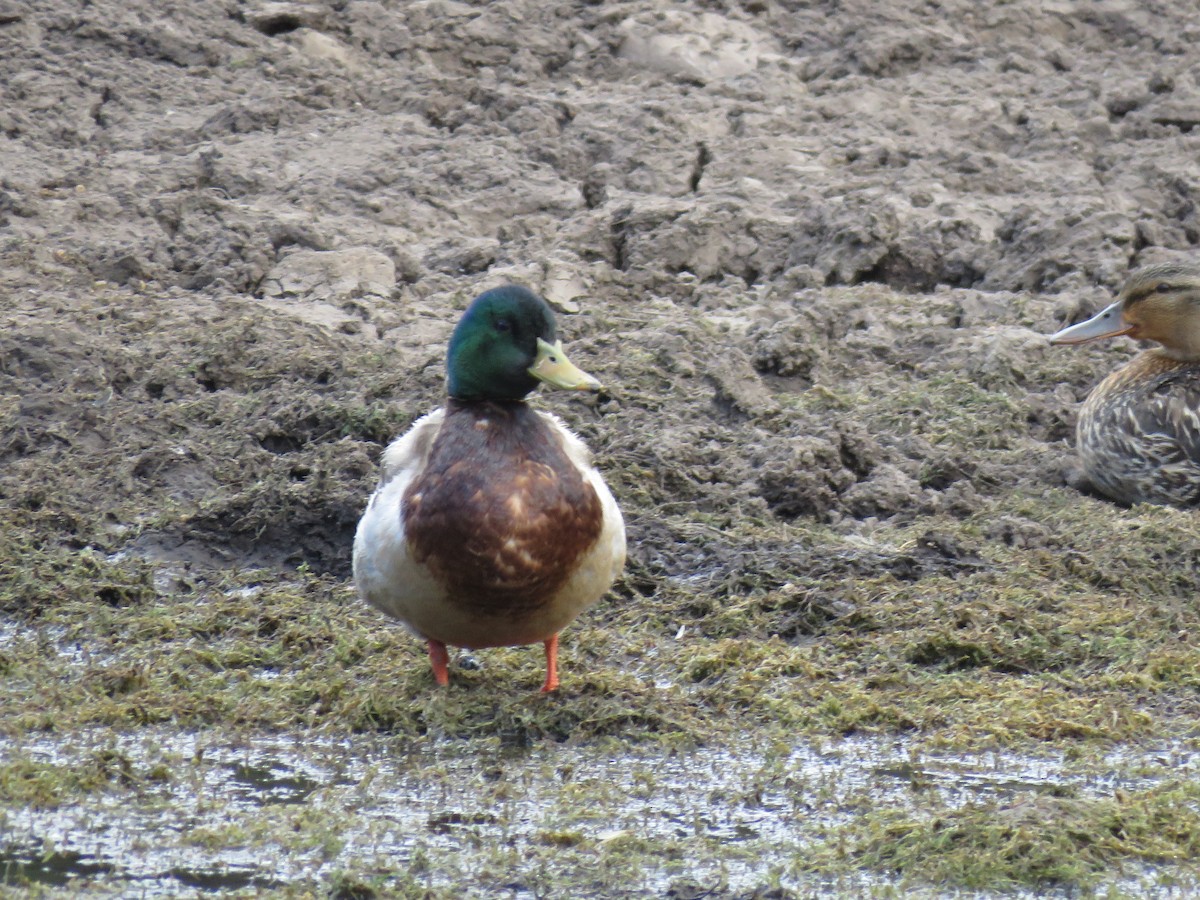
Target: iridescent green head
{"type": "Point", "coordinates": [504, 345]}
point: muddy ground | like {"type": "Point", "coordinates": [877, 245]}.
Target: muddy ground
{"type": "Point", "coordinates": [872, 640]}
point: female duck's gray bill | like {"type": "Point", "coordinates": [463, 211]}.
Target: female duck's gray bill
{"type": "Point", "coordinates": [1106, 323]}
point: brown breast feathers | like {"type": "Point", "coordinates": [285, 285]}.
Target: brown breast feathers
{"type": "Point", "coordinates": [500, 514]}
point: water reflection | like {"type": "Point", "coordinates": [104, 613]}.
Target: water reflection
{"type": "Point", "coordinates": [292, 813]}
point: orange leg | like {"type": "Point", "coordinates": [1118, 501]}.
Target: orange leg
{"type": "Point", "coordinates": [439, 659]}
{"type": "Point", "coordinates": [551, 645]}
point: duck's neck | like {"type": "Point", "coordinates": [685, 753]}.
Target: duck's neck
{"type": "Point", "coordinates": [1179, 336]}
{"type": "Point", "coordinates": [1179, 354]}
{"type": "Point", "coordinates": [457, 404]}
{"type": "Point", "coordinates": [505, 429]}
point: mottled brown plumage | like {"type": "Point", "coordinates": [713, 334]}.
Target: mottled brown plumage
{"type": "Point", "coordinates": [500, 514]}
{"type": "Point", "coordinates": [1138, 433]}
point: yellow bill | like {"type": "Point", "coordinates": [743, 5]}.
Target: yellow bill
{"type": "Point", "coordinates": [553, 367]}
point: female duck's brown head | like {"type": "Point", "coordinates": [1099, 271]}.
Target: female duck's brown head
{"type": "Point", "coordinates": [1158, 303]}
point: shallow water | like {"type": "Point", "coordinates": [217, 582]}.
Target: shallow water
{"type": "Point", "coordinates": [291, 812]}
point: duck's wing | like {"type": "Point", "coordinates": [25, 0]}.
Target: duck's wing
{"type": "Point", "coordinates": [613, 533]}
{"type": "Point", "coordinates": [1171, 410]}
{"type": "Point", "coordinates": [576, 450]}
{"type": "Point", "coordinates": [1166, 429]}
{"type": "Point", "coordinates": [410, 451]}
{"type": "Point", "coordinates": [384, 570]}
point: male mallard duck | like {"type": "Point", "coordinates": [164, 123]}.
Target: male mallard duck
{"type": "Point", "coordinates": [490, 527]}
{"type": "Point", "coordinates": [1139, 429]}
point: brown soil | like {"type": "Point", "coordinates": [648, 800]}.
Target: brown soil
{"type": "Point", "coordinates": [749, 204]}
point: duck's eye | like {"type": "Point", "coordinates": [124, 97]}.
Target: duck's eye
{"type": "Point", "coordinates": [503, 325]}
{"type": "Point", "coordinates": [1162, 287]}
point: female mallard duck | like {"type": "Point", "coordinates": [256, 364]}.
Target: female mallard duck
{"type": "Point", "coordinates": [490, 528]}
{"type": "Point", "coordinates": [1139, 429]}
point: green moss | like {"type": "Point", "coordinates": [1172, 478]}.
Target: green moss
{"type": "Point", "coordinates": [37, 576]}
{"type": "Point", "coordinates": [1033, 842]}
{"type": "Point", "coordinates": [947, 409]}
{"type": "Point", "coordinates": [29, 782]}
